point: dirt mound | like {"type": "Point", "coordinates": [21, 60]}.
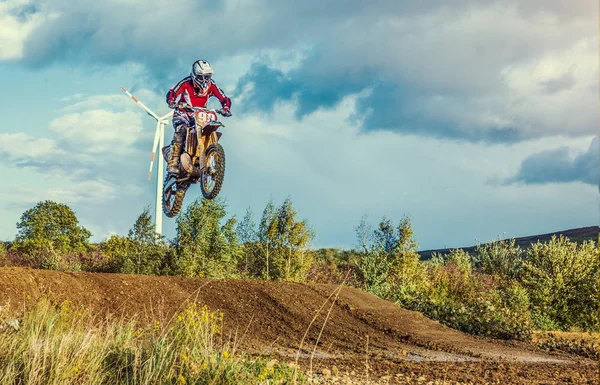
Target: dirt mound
{"type": "Point", "coordinates": [272, 317]}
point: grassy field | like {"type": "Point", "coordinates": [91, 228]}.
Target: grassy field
{"type": "Point", "coordinates": [62, 344]}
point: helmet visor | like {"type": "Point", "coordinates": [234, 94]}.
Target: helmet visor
{"type": "Point", "coordinates": [201, 80]}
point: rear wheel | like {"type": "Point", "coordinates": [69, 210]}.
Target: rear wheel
{"type": "Point", "coordinates": [213, 172]}
{"type": "Point", "coordinates": [173, 194]}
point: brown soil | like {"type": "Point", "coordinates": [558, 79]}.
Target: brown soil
{"type": "Point", "coordinates": [270, 318]}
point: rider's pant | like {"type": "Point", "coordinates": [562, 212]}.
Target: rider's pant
{"type": "Point", "coordinates": [181, 121]}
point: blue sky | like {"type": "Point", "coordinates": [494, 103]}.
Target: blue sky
{"type": "Point", "coordinates": [476, 119]}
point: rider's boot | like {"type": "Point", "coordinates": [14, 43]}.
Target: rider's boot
{"type": "Point", "coordinates": [173, 165]}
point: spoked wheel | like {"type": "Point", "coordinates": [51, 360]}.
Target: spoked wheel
{"type": "Point", "coordinates": [213, 172]}
{"type": "Point", "coordinates": [173, 194]}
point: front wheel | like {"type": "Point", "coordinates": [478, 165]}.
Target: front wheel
{"type": "Point", "coordinates": [172, 196]}
{"type": "Point", "coordinates": [213, 171]}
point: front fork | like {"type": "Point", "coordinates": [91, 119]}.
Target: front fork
{"type": "Point", "coordinates": [203, 143]}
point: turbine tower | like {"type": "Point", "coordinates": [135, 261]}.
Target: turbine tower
{"type": "Point", "coordinates": [159, 142]}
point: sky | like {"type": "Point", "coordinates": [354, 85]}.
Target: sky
{"type": "Point", "coordinates": [477, 119]}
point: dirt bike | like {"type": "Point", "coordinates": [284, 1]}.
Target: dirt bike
{"type": "Point", "coordinates": [202, 161]}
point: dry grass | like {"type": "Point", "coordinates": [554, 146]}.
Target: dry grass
{"type": "Point", "coordinates": [579, 343]}
{"type": "Point", "coordinates": [61, 344]}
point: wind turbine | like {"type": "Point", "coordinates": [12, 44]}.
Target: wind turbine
{"type": "Point", "coordinates": [159, 142]}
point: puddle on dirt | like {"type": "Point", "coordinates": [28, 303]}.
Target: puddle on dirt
{"type": "Point", "coordinates": [295, 354]}
{"type": "Point", "coordinates": [527, 358]}
{"type": "Point", "coordinates": [428, 356]}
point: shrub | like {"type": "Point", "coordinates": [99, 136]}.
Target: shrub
{"type": "Point", "coordinates": [501, 258]}
{"type": "Point", "coordinates": [473, 302]}
{"type": "Point", "coordinates": [374, 266]}
{"type": "Point", "coordinates": [562, 278]}
{"type": "Point", "coordinates": [203, 246]}
{"type": "Point", "coordinates": [140, 252]}
{"type": "Point", "coordinates": [407, 278]}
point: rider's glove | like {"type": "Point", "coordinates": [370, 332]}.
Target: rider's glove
{"type": "Point", "coordinates": [225, 111]}
{"type": "Point", "coordinates": [183, 106]}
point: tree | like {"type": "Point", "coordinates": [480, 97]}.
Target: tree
{"type": "Point", "coordinates": [246, 229]}
{"type": "Point", "coordinates": [248, 236]}
{"type": "Point", "coordinates": [267, 238]}
{"type": "Point", "coordinates": [203, 246]}
{"type": "Point", "coordinates": [283, 242]}
{"type": "Point", "coordinates": [294, 238]}
{"type": "Point", "coordinates": [48, 231]}
{"type": "Point", "coordinates": [363, 233]}
{"type": "Point", "coordinates": [406, 236]}
{"type": "Point", "coordinates": [385, 236]}
{"type": "Point", "coordinates": [389, 262]}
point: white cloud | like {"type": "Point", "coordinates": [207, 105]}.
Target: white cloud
{"type": "Point", "coordinates": [15, 29]}
{"type": "Point", "coordinates": [20, 146]}
{"type": "Point", "coordinates": [98, 131]}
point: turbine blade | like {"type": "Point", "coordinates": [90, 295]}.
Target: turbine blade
{"type": "Point", "coordinates": [156, 135]}
{"type": "Point", "coordinates": [167, 115]}
{"type": "Point", "coordinates": [140, 104]}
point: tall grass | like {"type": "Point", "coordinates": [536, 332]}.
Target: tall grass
{"type": "Point", "coordinates": [62, 344]}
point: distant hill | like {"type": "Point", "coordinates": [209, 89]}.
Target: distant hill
{"type": "Point", "coordinates": [576, 235]}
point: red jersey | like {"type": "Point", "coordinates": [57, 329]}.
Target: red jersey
{"type": "Point", "coordinates": [184, 91]}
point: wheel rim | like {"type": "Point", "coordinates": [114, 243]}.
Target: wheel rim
{"type": "Point", "coordinates": [208, 180]}
{"type": "Point", "coordinates": [169, 193]}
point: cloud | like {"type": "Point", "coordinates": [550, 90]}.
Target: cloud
{"type": "Point", "coordinates": [99, 131]}
{"type": "Point", "coordinates": [69, 191]}
{"type": "Point", "coordinates": [18, 18]}
{"type": "Point", "coordinates": [84, 143]}
{"type": "Point", "coordinates": [476, 72]}
{"type": "Point", "coordinates": [20, 146]}
{"type": "Point", "coordinates": [558, 166]}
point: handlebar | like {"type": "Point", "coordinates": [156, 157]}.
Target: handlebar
{"type": "Point", "coordinates": [220, 111]}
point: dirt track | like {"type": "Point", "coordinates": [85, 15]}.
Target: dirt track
{"type": "Point", "coordinates": [271, 318]}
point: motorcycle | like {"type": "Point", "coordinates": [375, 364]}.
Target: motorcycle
{"type": "Point", "coordinates": [202, 161]}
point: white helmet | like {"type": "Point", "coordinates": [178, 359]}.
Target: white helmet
{"type": "Point", "coordinates": [201, 74]}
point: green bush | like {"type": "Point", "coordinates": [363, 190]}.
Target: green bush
{"type": "Point", "coordinates": [562, 278]}
{"type": "Point", "coordinates": [140, 252]}
{"type": "Point", "coordinates": [374, 266]}
{"type": "Point", "coordinates": [407, 278]}
{"type": "Point", "coordinates": [501, 258]}
{"type": "Point", "coordinates": [475, 303]}
{"type": "Point", "coordinates": [204, 247]}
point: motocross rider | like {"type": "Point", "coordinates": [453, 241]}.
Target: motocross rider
{"type": "Point", "coordinates": [192, 91]}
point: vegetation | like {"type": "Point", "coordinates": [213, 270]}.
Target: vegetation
{"type": "Point", "coordinates": [502, 291]}
{"type": "Point", "coordinates": [582, 344]}
{"type": "Point", "coordinates": [48, 234]}
{"type": "Point", "coordinates": [61, 344]}
{"type": "Point", "coordinates": [140, 252]}
{"type": "Point", "coordinates": [498, 289]}
{"type": "Point", "coordinates": [204, 245]}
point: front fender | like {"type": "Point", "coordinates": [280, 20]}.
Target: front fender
{"type": "Point", "coordinates": [211, 126]}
